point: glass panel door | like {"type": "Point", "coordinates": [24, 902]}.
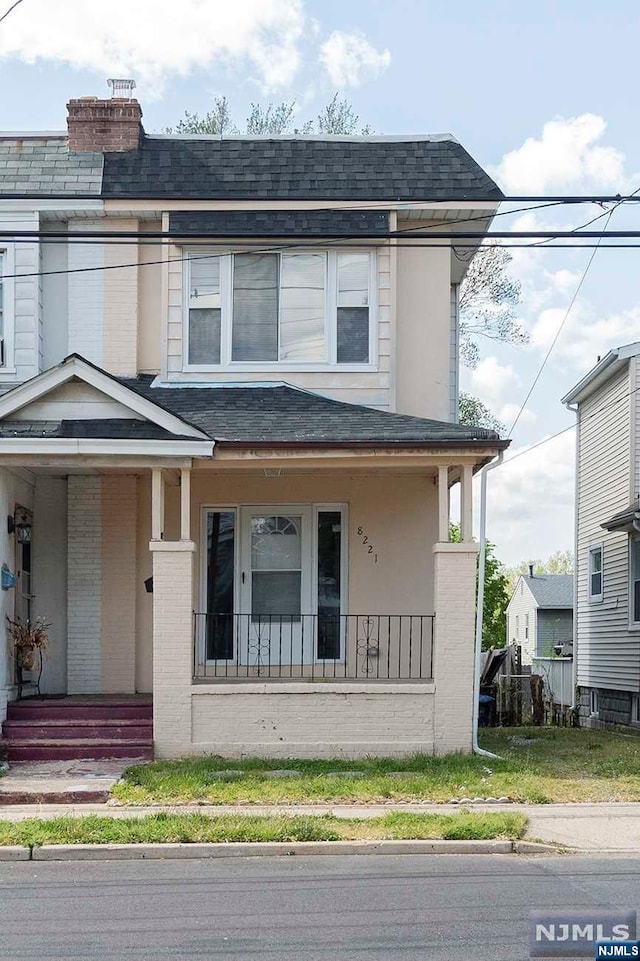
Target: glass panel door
{"type": "Point", "coordinates": [276, 587]}
{"type": "Point", "coordinates": [219, 585]}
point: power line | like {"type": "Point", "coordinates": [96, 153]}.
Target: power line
{"type": "Point", "coordinates": [12, 7]}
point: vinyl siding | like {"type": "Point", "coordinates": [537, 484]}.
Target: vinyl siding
{"type": "Point", "coordinates": [521, 605]}
{"type": "Point", "coordinates": [608, 656]}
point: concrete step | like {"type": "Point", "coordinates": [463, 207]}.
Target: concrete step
{"type": "Point", "coordinates": [69, 749]}
{"type": "Point", "coordinates": [78, 728]}
{"type": "Point", "coordinates": [45, 710]}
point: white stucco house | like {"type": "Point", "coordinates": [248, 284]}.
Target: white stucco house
{"type": "Point", "coordinates": [229, 381]}
{"type": "Point", "coordinates": [607, 634]}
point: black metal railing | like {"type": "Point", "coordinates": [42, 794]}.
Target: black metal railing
{"type": "Point", "coordinates": [384, 647]}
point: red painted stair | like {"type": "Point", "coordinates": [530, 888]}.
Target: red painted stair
{"type": "Point", "coordinates": [73, 728]}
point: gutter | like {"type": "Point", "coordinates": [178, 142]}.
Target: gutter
{"type": "Point", "coordinates": [480, 605]}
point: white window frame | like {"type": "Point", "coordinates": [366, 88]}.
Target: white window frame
{"type": "Point", "coordinates": [7, 269]}
{"type": "Point", "coordinates": [633, 624]}
{"type": "Point", "coordinates": [635, 709]}
{"type": "Point", "coordinates": [236, 509]}
{"type": "Point", "coordinates": [593, 550]}
{"type": "Point", "coordinates": [594, 703]}
{"type": "Point", "coordinates": [331, 313]}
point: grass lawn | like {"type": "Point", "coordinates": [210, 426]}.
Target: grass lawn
{"type": "Point", "coordinates": [191, 828]}
{"type": "Point", "coordinates": [537, 765]}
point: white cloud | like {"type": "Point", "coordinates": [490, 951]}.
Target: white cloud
{"type": "Point", "coordinates": [349, 59]}
{"type": "Point", "coordinates": [508, 413]}
{"type": "Point", "coordinates": [530, 501]}
{"type": "Point", "coordinates": [566, 153]}
{"type": "Point", "coordinates": [585, 336]}
{"type": "Point", "coordinates": [153, 40]}
{"type": "Point", "coordinates": [491, 380]}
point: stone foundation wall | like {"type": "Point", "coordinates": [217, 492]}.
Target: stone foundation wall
{"type": "Point", "coordinates": [614, 709]}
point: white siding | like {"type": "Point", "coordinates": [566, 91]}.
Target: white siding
{"type": "Point", "coordinates": [608, 656]}
{"type": "Point", "coordinates": [26, 302]}
{"type": "Point", "coordinates": [86, 295]}
{"type": "Point", "coordinates": [522, 605]}
{"type": "Point", "coordinates": [55, 330]}
{"type": "Point", "coordinates": [454, 363]}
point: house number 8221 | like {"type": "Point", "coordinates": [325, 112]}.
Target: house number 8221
{"type": "Point", "coordinates": [365, 541]}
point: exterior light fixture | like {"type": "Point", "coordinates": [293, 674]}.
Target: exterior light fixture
{"type": "Point", "coordinates": [19, 524]}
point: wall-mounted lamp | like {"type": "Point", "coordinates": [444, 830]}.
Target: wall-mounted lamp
{"type": "Point", "coordinates": [20, 525]}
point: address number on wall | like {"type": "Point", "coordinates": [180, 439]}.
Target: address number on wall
{"type": "Point", "coordinates": [369, 548]}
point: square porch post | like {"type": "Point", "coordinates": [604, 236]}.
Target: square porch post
{"type": "Point", "coordinates": [173, 582]}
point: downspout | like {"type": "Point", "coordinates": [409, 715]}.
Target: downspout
{"type": "Point", "coordinates": [574, 666]}
{"type": "Point", "coordinates": [480, 605]}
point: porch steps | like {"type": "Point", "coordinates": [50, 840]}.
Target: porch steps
{"type": "Point", "coordinates": [67, 729]}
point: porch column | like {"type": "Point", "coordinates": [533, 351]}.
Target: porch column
{"type": "Point", "coordinates": [173, 585]}
{"type": "Point", "coordinates": [466, 504]}
{"type": "Point", "coordinates": [443, 504]}
{"type": "Point", "coordinates": [453, 652]}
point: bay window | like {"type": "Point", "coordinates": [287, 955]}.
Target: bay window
{"type": "Point", "coordinates": [297, 309]}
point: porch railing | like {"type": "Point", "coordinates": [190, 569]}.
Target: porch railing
{"type": "Point", "coordinates": [368, 647]}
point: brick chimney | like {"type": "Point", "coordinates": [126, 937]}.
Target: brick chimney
{"type": "Point", "coordinates": [104, 125]}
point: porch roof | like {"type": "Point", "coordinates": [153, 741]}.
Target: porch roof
{"type": "Point", "coordinates": [285, 416]}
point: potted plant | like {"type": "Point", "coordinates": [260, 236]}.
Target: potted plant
{"type": "Point", "coordinates": [26, 638]}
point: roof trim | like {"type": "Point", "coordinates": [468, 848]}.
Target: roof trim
{"type": "Point", "coordinates": [76, 366]}
{"type": "Point", "coordinates": [318, 138]}
{"type": "Point", "coordinates": [610, 364]}
{"type": "Point", "coordinates": [107, 447]}
{"type": "Point", "coordinates": [472, 443]}
{"type": "Point", "coordinates": [625, 520]}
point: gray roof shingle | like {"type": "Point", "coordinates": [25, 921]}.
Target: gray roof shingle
{"type": "Point", "coordinates": [282, 415]}
{"type": "Point", "coordinates": [263, 223]}
{"type": "Point", "coordinates": [109, 428]}
{"type": "Point", "coordinates": [297, 168]}
{"type": "Point", "coordinates": [44, 166]}
{"type": "Point", "coordinates": [552, 590]}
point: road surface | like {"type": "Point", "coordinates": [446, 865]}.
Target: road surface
{"type": "Point", "coordinates": [421, 908]}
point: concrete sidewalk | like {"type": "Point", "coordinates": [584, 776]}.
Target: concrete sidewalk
{"type": "Point", "coordinates": [602, 828]}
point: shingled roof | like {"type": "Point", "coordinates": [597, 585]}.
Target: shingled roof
{"type": "Point", "coordinates": [286, 168]}
{"type": "Point", "coordinates": [551, 590]}
{"type": "Point", "coordinates": [287, 416]}
{"type": "Point", "coordinates": [43, 165]}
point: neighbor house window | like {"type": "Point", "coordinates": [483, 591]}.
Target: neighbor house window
{"type": "Point", "coordinates": [526, 626]}
{"type": "Point", "coordinates": [634, 581]}
{"type": "Point", "coordinates": [594, 702]}
{"type": "Point", "coordinates": [595, 585]}
{"type": "Point", "coordinates": [517, 627]}
{"type": "Point", "coordinates": [302, 308]}
{"type": "Point", "coordinates": [635, 708]}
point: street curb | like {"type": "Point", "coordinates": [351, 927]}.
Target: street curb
{"type": "Point", "coordinates": [112, 852]}
{"type": "Point", "coordinates": [535, 847]}
{"type": "Point", "coordinates": [15, 854]}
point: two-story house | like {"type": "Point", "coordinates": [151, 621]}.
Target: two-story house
{"type": "Point", "coordinates": [540, 614]}
{"type": "Point", "coordinates": [228, 434]}
{"type": "Point", "coordinates": [607, 622]}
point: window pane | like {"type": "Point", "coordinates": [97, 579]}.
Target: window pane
{"type": "Point", "coordinates": [276, 594]}
{"type": "Point", "coordinates": [302, 307]}
{"type": "Point", "coordinates": [204, 336]}
{"type": "Point", "coordinates": [596, 584]}
{"type": "Point", "coordinates": [329, 576]}
{"type": "Point", "coordinates": [596, 560]}
{"type": "Point", "coordinates": [353, 335]}
{"type": "Point", "coordinates": [276, 543]}
{"type": "Point", "coordinates": [204, 281]}
{"type": "Point", "coordinates": [353, 280]}
{"type": "Point", "coordinates": [255, 307]}
{"type": "Point", "coordinates": [220, 581]}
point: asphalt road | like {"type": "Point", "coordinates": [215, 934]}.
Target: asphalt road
{"type": "Point", "coordinates": [449, 908]}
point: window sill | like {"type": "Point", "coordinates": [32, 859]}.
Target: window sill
{"type": "Point", "coordinates": [277, 367]}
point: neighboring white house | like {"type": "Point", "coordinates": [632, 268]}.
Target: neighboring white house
{"type": "Point", "coordinates": [229, 379]}
{"type": "Point", "coordinates": [540, 614]}
{"type": "Point", "coordinates": [607, 636]}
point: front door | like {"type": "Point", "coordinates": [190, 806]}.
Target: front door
{"type": "Point", "coordinates": [276, 626]}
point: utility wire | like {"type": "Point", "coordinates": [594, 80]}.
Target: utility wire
{"type": "Point", "coordinates": [12, 7]}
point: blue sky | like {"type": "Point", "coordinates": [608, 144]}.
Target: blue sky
{"type": "Point", "coordinates": [543, 94]}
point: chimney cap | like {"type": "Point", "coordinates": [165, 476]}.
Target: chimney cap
{"type": "Point", "coordinates": [530, 570]}
{"type": "Point", "coordinates": [121, 87]}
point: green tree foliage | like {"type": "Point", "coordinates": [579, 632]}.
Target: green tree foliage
{"type": "Point", "coordinates": [473, 413]}
{"type": "Point", "coordinates": [496, 596]}
{"type": "Point", "coordinates": [560, 562]}
{"type": "Point", "coordinates": [273, 119]}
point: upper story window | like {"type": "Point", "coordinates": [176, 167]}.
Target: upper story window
{"type": "Point", "coordinates": [311, 308]}
{"type": "Point", "coordinates": [595, 585]}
